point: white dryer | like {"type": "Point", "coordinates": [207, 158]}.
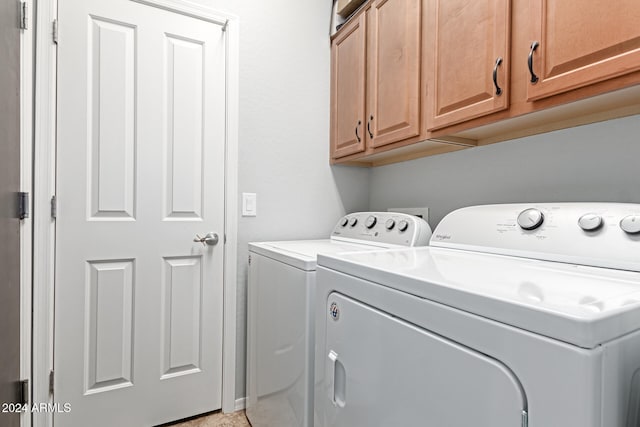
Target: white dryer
{"type": "Point", "coordinates": [281, 317]}
{"type": "Point", "coordinates": [515, 315]}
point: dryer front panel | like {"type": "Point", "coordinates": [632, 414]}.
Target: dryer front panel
{"type": "Point", "coordinates": [382, 371]}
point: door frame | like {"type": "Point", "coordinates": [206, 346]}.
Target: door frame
{"type": "Point", "coordinates": [45, 101]}
{"type": "Point", "coordinates": [26, 185]}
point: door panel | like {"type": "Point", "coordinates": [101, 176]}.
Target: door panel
{"type": "Point", "coordinates": [466, 38]}
{"type": "Point", "coordinates": [181, 315]}
{"type": "Point", "coordinates": [9, 223]}
{"type": "Point", "coordinates": [422, 378]}
{"type": "Point", "coordinates": [111, 123]}
{"type": "Point", "coordinates": [393, 111]}
{"type": "Point", "coordinates": [108, 314]}
{"type": "Point", "coordinates": [348, 89]}
{"type": "Point", "coordinates": [582, 42]}
{"type": "Point", "coordinates": [141, 127]}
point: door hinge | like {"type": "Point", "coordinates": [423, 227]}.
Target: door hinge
{"type": "Point", "coordinates": [23, 205]}
{"type": "Point", "coordinates": [51, 381]}
{"type": "Point", "coordinates": [54, 31]}
{"type": "Point", "coordinates": [54, 207]}
{"type": "Point", "coordinates": [23, 392]}
{"type": "Point", "coordinates": [249, 259]}
{"type": "Point", "coordinates": [525, 419]}
{"type": "Point", "coordinates": [23, 15]}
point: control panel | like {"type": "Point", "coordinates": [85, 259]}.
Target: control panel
{"type": "Point", "coordinates": [387, 228]}
{"type": "Point", "coordinates": [596, 234]}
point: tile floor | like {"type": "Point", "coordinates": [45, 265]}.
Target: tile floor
{"type": "Point", "coordinates": [218, 419]}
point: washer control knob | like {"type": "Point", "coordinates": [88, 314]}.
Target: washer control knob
{"type": "Point", "coordinates": [353, 221]}
{"type": "Point", "coordinates": [390, 224]}
{"type": "Point", "coordinates": [371, 221]}
{"type": "Point", "coordinates": [530, 219]}
{"type": "Point", "coordinates": [590, 222]}
{"type": "Point", "coordinates": [630, 224]}
{"type": "Point", "coordinates": [344, 221]}
{"type": "Point", "coordinates": [403, 225]}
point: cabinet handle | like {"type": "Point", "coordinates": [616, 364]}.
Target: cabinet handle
{"type": "Point", "coordinates": [495, 76]}
{"type": "Point", "coordinates": [357, 126]}
{"type": "Point", "coordinates": [369, 127]}
{"type": "Point", "coordinates": [534, 46]}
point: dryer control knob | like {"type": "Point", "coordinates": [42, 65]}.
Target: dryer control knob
{"type": "Point", "coordinates": [344, 221]}
{"type": "Point", "coordinates": [353, 221]}
{"type": "Point", "coordinates": [371, 221]}
{"type": "Point", "coordinates": [390, 224]}
{"type": "Point", "coordinates": [631, 224]}
{"type": "Point", "coordinates": [403, 225]}
{"type": "Point", "coordinates": [530, 219]}
{"type": "Point", "coordinates": [590, 222]}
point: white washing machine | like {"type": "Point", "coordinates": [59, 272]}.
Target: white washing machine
{"type": "Point", "coordinates": [281, 317]}
{"type": "Point", "coordinates": [515, 315]}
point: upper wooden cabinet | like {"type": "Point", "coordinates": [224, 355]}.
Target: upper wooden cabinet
{"type": "Point", "coordinates": [348, 60]}
{"type": "Point", "coordinates": [467, 59]}
{"type": "Point", "coordinates": [393, 71]}
{"type": "Point", "coordinates": [418, 77]}
{"type": "Point", "coordinates": [380, 108]}
{"type": "Point", "coordinates": [579, 43]}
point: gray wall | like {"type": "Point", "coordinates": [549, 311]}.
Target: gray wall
{"type": "Point", "coordinates": [597, 162]}
{"type": "Point", "coordinates": [284, 132]}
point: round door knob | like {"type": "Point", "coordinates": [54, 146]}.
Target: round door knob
{"type": "Point", "coordinates": [344, 221]}
{"type": "Point", "coordinates": [631, 224]}
{"type": "Point", "coordinates": [403, 225]}
{"type": "Point", "coordinates": [210, 239]}
{"type": "Point", "coordinates": [390, 224]}
{"type": "Point", "coordinates": [530, 219]}
{"type": "Point", "coordinates": [590, 222]}
{"type": "Point", "coordinates": [353, 222]}
{"type": "Point", "coordinates": [371, 221]}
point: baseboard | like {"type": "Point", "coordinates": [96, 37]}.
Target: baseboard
{"type": "Point", "coordinates": [240, 403]}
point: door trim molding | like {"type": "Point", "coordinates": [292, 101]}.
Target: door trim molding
{"type": "Point", "coordinates": [45, 184]}
{"type": "Point", "coordinates": [231, 217]}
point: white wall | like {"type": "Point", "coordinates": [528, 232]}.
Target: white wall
{"type": "Point", "coordinates": [597, 162]}
{"type": "Point", "coordinates": [284, 132]}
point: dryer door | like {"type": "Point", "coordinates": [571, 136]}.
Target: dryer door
{"type": "Point", "coordinates": [381, 371]}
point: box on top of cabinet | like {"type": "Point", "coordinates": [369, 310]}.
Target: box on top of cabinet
{"type": "Point", "coordinates": [345, 7]}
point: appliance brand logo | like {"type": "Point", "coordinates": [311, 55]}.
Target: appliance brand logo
{"type": "Point", "coordinates": [443, 236]}
{"type": "Point", "coordinates": [334, 311]}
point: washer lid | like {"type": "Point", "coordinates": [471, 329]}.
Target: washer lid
{"type": "Point", "coordinates": [303, 253]}
{"type": "Point", "coordinates": [581, 305]}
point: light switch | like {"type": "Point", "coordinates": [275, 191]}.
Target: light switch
{"type": "Point", "coordinates": [249, 204]}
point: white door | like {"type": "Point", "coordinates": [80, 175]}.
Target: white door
{"type": "Point", "coordinates": [141, 130]}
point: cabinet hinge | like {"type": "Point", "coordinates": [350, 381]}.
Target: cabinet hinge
{"type": "Point", "coordinates": [54, 207]}
{"type": "Point", "coordinates": [54, 31]}
{"type": "Point", "coordinates": [23, 205]}
{"type": "Point", "coordinates": [23, 392]}
{"type": "Point", "coordinates": [525, 419]}
{"type": "Point", "coordinates": [249, 259]}
{"type": "Point", "coordinates": [51, 381]}
{"type": "Point", "coordinates": [23, 15]}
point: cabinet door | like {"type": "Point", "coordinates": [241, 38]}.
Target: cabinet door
{"type": "Point", "coordinates": [348, 89]}
{"type": "Point", "coordinates": [468, 43]}
{"type": "Point", "coordinates": [393, 71]}
{"type": "Point", "coordinates": [582, 42]}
